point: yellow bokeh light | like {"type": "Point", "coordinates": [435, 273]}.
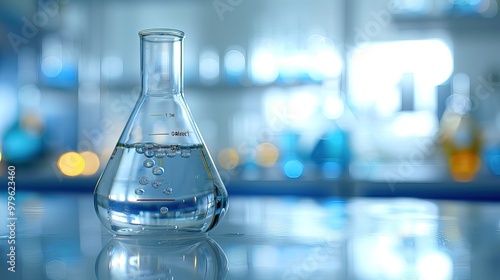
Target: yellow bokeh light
{"type": "Point", "coordinates": [92, 163]}
{"type": "Point", "coordinates": [71, 164]}
{"type": "Point", "coordinates": [266, 154]}
{"type": "Point", "coordinates": [228, 158]}
{"type": "Point", "coordinates": [0, 156]}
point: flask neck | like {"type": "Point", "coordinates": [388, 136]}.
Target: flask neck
{"type": "Point", "coordinates": [162, 62]}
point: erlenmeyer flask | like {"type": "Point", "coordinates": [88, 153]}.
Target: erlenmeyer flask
{"type": "Point", "coordinates": [160, 178]}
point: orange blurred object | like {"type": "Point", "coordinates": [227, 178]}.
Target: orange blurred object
{"type": "Point", "coordinates": [461, 139]}
{"type": "Point", "coordinates": [464, 166]}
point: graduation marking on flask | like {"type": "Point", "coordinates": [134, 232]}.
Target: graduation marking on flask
{"type": "Point", "coordinates": [173, 133]}
{"type": "Point", "coordinates": [168, 115]}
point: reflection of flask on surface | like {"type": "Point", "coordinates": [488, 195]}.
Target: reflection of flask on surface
{"type": "Point", "coordinates": [133, 258]}
{"type": "Point", "coordinates": [160, 178]}
{"type": "Point", "coordinates": [460, 135]}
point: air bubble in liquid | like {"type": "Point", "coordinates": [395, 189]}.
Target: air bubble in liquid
{"type": "Point", "coordinates": [148, 163]}
{"type": "Point", "coordinates": [160, 153]}
{"type": "Point", "coordinates": [186, 153]}
{"type": "Point", "coordinates": [163, 210]}
{"type": "Point", "coordinates": [158, 170]}
{"type": "Point", "coordinates": [171, 152]}
{"type": "Point", "coordinates": [139, 148]}
{"type": "Point", "coordinates": [149, 153]}
{"type": "Point", "coordinates": [139, 191]}
{"type": "Point", "coordinates": [156, 184]}
{"type": "Point", "coordinates": [148, 150]}
{"type": "Point", "coordinates": [143, 180]}
{"type": "Point", "coordinates": [168, 191]}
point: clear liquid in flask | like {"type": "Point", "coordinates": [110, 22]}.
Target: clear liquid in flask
{"type": "Point", "coordinates": [149, 190]}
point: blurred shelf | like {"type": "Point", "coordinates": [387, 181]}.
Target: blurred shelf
{"type": "Point", "coordinates": [455, 23]}
{"type": "Point", "coordinates": [479, 190]}
{"type": "Point", "coordinates": [47, 178]}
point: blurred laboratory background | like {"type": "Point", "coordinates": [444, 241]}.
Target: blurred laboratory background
{"type": "Point", "coordinates": [326, 97]}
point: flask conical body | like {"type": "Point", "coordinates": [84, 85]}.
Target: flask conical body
{"type": "Point", "coordinates": [160, 178]}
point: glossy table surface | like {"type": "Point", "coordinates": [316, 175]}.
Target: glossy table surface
{"type": "Point", "coordinates": [58, 236]}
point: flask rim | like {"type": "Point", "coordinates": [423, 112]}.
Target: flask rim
{"type": "Point", "coordinates": [161, 34]}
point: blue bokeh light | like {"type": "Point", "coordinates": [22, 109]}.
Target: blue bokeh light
{"type": "Point", "coordinates": [293, 168]}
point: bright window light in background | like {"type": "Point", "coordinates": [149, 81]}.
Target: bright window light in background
{"type": "Point", "coordinates": [260, 73]}
{"type": "Point", "coordinates": [293, 65]}
{"type": "Point", "coordinates": [411, 124]}
{"type": "Point", "coordinates": [302, 108]}
{"type": "Point", "coordinates": [333, 107]}
{"type": "Point", "coordinates": [432, 61]}
{"type": "Point", "coordinates": [271, 60]}
{"type": "Point", "coordinates": [209, 66]}
{"type": "Point", "coordinates": [291, 108]}
{"type": "Point", "coordinates": [234, 62]}
{"type": "Point", "coordinates": [325, 64]}
{"type": "Point", "coordinates": [264, 63]}
{"type": "Point", "coordinates": [377, 69]}
{"type": "Point", "coordinates": [325, 61]}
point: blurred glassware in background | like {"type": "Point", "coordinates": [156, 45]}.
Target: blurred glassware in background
{"type": "Point", "coordinates": [460, 136]}
{"type": "Point", "coordinates": [332, 150]}
{"type": "Point", "coordinates": [23, 142]}
{"type": "Point", "coordinates": [490, 126]}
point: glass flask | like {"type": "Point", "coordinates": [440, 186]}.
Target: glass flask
{"type": "Point", "coordinates": [160, 179]}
